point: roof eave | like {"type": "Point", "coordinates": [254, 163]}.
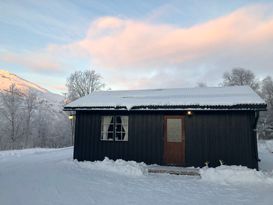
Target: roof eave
{"type": "Point", "coordinates": [254, 107]}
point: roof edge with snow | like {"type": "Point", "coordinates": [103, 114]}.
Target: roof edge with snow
{"type": "Point", "coordinates": [208, 98]}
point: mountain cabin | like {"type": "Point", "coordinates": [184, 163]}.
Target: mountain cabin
{"type": "Point", "coordinates": [180, 127]}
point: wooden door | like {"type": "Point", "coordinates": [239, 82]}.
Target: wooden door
{"type": "Point", "coordinates": [174, 140]}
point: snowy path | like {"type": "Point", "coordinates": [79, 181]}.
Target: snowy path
{"type": "Point", "coordinates": [51, 177]}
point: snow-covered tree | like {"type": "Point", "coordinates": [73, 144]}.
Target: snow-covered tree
{"type": "Point", "coordinates": [29, 103]}
{"type": "Point", "coordinates": [267, 91]}
{"type": "Point", "coordinates": [28, 120]}
{"type": "Point", "coordinates": [12, 112]}
{"type": "Point", "coordinates": [240, 76]}
{"type": "Point", "coordinates": [266, 119]}
{"type": "Point", "coordinates": [81, 83]}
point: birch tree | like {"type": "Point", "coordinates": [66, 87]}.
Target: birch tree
{"type": "Point", "coordinates": [240, 76]}
{"type": "Point", "coordinates": [266, 124]}
{"type": "Point", "coordinates": [12, 112]}
{"type": "Point", "coordinates": [81, 83]}
{"type": "Point", "coordinates": [30, 103]}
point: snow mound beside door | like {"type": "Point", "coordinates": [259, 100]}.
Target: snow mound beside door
{"type": "Point", "coordinates": [130, 168]}
{"type": "Point", "coordinates": [235, 175]}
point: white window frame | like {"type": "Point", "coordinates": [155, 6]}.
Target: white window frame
{"type": "Point", "coordinates": [106, 122]}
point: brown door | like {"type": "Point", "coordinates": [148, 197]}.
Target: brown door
{"type": "Point", "coordinates": [174, 140]}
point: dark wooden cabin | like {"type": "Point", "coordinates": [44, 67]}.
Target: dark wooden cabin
{"type": "Point", "coordinates": [183, 127]}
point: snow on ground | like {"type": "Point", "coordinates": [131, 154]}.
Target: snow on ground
{"type": "Point", "coordinates": [242, 175]}
{"type": "Point", "coordinates": [19, 153]}
{"type": "Point", "coordinates": [266, 155]}
{"type": "Point", "coordinates": [122, 167]}
{"type": "Point", "coordinates": [50, 177]}
{"type": "Point", "coordinates": [235, 175]}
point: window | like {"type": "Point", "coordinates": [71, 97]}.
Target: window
{"type": "Point", "coordinates": [174, 130]}
{"type": "Point", "coordinates": [114, 128]}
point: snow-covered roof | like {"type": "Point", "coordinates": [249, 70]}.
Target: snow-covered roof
{"type": "Point", "coordinates": [204, 98]}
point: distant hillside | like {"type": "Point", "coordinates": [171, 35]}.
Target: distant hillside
{"type": "Point", "coordinates": [7, 78]}
{"type": "Point", "coordinates": [49, 125]}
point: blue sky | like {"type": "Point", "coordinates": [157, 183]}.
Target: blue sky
{"type": "Point", "coordinates": [135, 44]}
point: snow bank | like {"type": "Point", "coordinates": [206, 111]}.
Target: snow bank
{"type": "Point", "coordinates": [235, 174]}
{"type": "Point", "coordinates": [269, 145]}
{"type": "Point", "coordinates": [266, 155]}
{"type": "Point", "coordinates": [130, 168]}
{"type": "Point", "coordinates": [22, 152]}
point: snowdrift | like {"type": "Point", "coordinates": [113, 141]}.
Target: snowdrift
{"type": "Point", "coordinates": [54, 178]}
{"type": "Point", "coordinates": [130, 168]}
{"type": "Point", "coordinates": [221, 175]}
{"type": "Point", "coordinates": [22, 152]}
{"type": "Point", "coordinates": [235, 174]}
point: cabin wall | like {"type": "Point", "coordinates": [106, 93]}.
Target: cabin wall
{"type": "Point", "coordinates": [227, 136]}
{"type": "Point", "coordinates": [145, 138]}
{"type": "Point", "coordinates": [210, 136]}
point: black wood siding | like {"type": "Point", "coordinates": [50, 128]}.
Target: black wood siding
{"type": "Point", "coordinates": [210, 136]}
{"type": "Point", "coordinates": [145, 139]}
{"type": "Point", "coordinates": [227, 136]}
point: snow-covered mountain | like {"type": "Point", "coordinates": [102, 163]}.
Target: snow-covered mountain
{"type": "Point", "coordinates": [7, 79]}
{"type": "Point", "coordinates": [48, 126]}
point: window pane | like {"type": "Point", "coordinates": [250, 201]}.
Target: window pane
{"type": "Point", "coordinates": [121, 128]}
{"type": "Point", "coordinates": [110, 128]}
{"type": "Point", "coordinates": [124, 120]}
{"type": "Point", "coordinates": [110, 135]}
{"type": "Point", "coordinates": [118, 119]}
{"type": "Point", "coordinates": [107, 119]}
{"type": "Point", "coordinates": [174, 130]}
{"type": "Point", "coordinates": [114, 127]}
{"type": "Point", "coordinates": [107, 128]}
{"type": "Point", "coordinates": [125, 136]}
{"type": "Point", "coordinates": [125, 123]}
{"type": "Point", "coordinates": [118, 136]}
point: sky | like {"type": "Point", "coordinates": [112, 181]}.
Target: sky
{"type": "Point", "coordinates": [135, 44]}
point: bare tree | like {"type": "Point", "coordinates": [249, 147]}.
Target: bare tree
{"type": "Point", "coordinates": [267, 91]}
{"type": "Point", "coordinates": [12, 106]}
{"type": "Point", "coordinates": [266, 121]}
{"type": "Point", "coordinates": [81, 83]}
{"type": "Point", "coordinates": [42, 124]}
{"type": "Point", "coordinates": [30, 103]}
{"type": "Point", "coordinates": [50, 126]}
{"type": "Point", "coordinates": [29, 120]}
{"type": "Point", "coordinates": [240, 76]}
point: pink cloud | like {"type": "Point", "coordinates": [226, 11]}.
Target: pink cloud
{"type": "Point", "coordinates": [38, 61]}
{"type": "Point", "coordinates": [119, 43]}
{"type": "Point", "coordinates": [162, 55]}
